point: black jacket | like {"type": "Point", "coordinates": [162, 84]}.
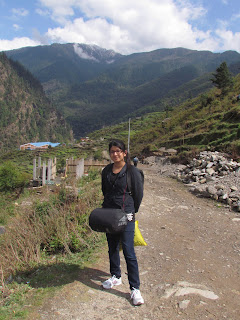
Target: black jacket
{"type": "Point", "coordinates": [117, 195]}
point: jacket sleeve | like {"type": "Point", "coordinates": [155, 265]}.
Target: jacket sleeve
{"type": "Point", "coordinates": [104, 177]}
{"type": "Point", "coordinates": [105, 172]}
{"type": "Point", "coordinates": [137, 187]}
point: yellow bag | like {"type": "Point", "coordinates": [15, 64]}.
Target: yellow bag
{"type": "Point", "coordinates": [138, 238]}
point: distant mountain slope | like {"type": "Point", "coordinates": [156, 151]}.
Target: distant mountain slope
{"type": "Point", "coordinates": [66, 64]}
{"type": "Point", "coordinates": [26, 115]}
{"type": "Point", "coordinates": [94, 87]}
{"type": "Point", "coordinates": [208, 122]}
{"type": "Point", "coordinates": [102, 101]}
{"type": "Point", "coordinates": [73, 63]}
{"type": "Point", "coordinates": [138, 68]}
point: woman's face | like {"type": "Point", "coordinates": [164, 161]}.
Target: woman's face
{"type": "Point", "coordinates": [117, 155]}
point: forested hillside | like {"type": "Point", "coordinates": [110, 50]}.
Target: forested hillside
{"type": "Point", "coordinates": [61, 65]}
{"type": "Point", "coordinates": [26, 114]}
{"type": "Point", "coordinates": [210, 121]}
{"type": "Point", "coordinates": [94, 87]}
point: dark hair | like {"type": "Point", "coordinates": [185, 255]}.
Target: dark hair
{"type": "Point", "coordinates": [121, 145]}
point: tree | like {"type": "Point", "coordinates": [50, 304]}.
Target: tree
{"type": "Point", "coordinates": [222, 78]}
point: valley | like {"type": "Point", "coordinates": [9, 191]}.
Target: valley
{"type": "Point", "coordinates": [94, 87]}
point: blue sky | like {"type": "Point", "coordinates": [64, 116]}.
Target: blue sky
{"type": "Point", "coordinates": [125, 26]}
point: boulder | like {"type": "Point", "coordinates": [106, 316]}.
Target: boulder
{"type": "Point", "coordinates": [210, 171]}
{"type": "Point", "coordinates": [206, 174]}
{"type": "Point", "coordinates": [211, 190]}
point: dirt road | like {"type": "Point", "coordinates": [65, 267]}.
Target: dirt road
{"type": "Point", "coordinates": [190, 269]}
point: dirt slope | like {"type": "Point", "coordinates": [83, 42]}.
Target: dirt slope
{"type": "Point", "coordinates": [190, 269]}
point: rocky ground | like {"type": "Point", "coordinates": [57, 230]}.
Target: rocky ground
{"type": "Point", "coordinates": [190, 269]}
{"type": "Point", "coordinates": [211, 175]}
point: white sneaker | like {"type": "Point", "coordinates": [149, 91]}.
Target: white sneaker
{"type": "Point", "coordinates": [136, 297]}
{"type": "Point", "coordinates": [113, 281]}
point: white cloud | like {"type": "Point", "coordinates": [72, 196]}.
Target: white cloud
{"type": "Point", "coordinates": [235, 16]}
{"type": "Point", "coordinates": [96, 31]}
{"type": "Point", "coordinates": [17, 43]}
{"type": "Point", "coordinates": [60, 10]}
{"type": "Point", "coordinates": [37, 37]}
{"type": "Point", "coordinates": [79, 51]}
{"type": "Point", "coordinates": [228, 40]}
{"type": "Point", "coordinates": [16, 27]}
{"type": "Point", "coordinates": [192, 12]}
{"type": "Point", "coordinates": [20, 12]}
{"type": "Point", "coordinates": [127, 26]}
{"type": "Point", "coordinates": [42, 12]}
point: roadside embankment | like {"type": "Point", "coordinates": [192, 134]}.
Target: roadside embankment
{"type": "Point", "coordinates": [211, 175]}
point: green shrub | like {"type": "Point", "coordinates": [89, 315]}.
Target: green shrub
{"type": "Point", "coordinates": [238, 132]}
{"type": "Point", "coordinates": [11, 178]}
{"type": "Point", "coordinates": [97, 155]}
{"type": "Point", "coordinates": [42, 209]}
{"type": "Point", "coordinates": [93, 174]}
{"type": "Point", "coordinates": [49, 227]}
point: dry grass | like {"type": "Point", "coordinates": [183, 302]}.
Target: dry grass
{"type": "Point", "coordinates": [58, 225]}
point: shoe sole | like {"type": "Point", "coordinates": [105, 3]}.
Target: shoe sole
{"type": "Point", "coordinates": [138, 304]}
{"type": "Point", "coordinates": [117, 284]}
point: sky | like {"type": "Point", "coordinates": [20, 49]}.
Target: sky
{"type": "Point", "coordinates": [125, 26]}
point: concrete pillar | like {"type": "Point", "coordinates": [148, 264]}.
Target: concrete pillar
{"type": "Point", "coordinates": [44, 174]}
{"type": "Point", "coordinates": [80, 168]}
{"type": "Point", "coordinates": [34, 169]}
{"type": "Point", "coordinates": [39, 168]}
{"type": "Point", "coordinates": [54, 168]}
{"type": "Point", "coordinates": [49, 169]}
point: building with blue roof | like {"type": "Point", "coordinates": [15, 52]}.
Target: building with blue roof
{"type": "Point", "coordinates": [38, 145]}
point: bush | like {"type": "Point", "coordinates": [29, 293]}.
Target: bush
{"type": "Point", "coordinates": [51, 226]}
{"type": "Point", "coordinates": [93, 174]}
{"type": "Point", "coordinates": [11, 178]}
{"type": "Point", "coordinates": [98, 155]}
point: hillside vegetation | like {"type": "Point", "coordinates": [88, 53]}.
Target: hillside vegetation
{"type": "Point", "coordinates": [48, 239]}
{"type": "Point", "coordinates": [26, 114]}
{"type": "Point", "coordinates": [210, 121]}
{"type": "Point", "coordinates": [94, 87]}
{"type": "Point", "coordinates": [138, 84]}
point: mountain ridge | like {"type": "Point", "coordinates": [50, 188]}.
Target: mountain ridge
{"type": "Point", "coordinates": [211, 121]}
{"type": "Point", "coordinates": [26, 114]}
{"type": "Point", "coordinates": [91, 92]}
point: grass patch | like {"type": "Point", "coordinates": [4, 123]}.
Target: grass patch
{"type": "Point", "coordinates": [19, 300]}
{"type": "Point", "coordinates": [47, 244]}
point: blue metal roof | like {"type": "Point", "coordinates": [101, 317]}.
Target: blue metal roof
{"type": "Point", "coordinates": [40, 144]}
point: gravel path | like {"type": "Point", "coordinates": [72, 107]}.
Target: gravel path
{"type": "Point", "coordinates": [190, 269]}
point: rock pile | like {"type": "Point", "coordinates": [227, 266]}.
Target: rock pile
{"type": "Point", "coordinates": [213, 175]}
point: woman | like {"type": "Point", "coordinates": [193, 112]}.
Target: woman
{"type": "Point", "coordinates": [117, 195]}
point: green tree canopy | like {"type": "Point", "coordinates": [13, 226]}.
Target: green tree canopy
{"type": "Point", "coordinates": [222, 78]}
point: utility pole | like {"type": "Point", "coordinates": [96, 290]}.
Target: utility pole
{"type": "Point", "coordinates": [129, 135]}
